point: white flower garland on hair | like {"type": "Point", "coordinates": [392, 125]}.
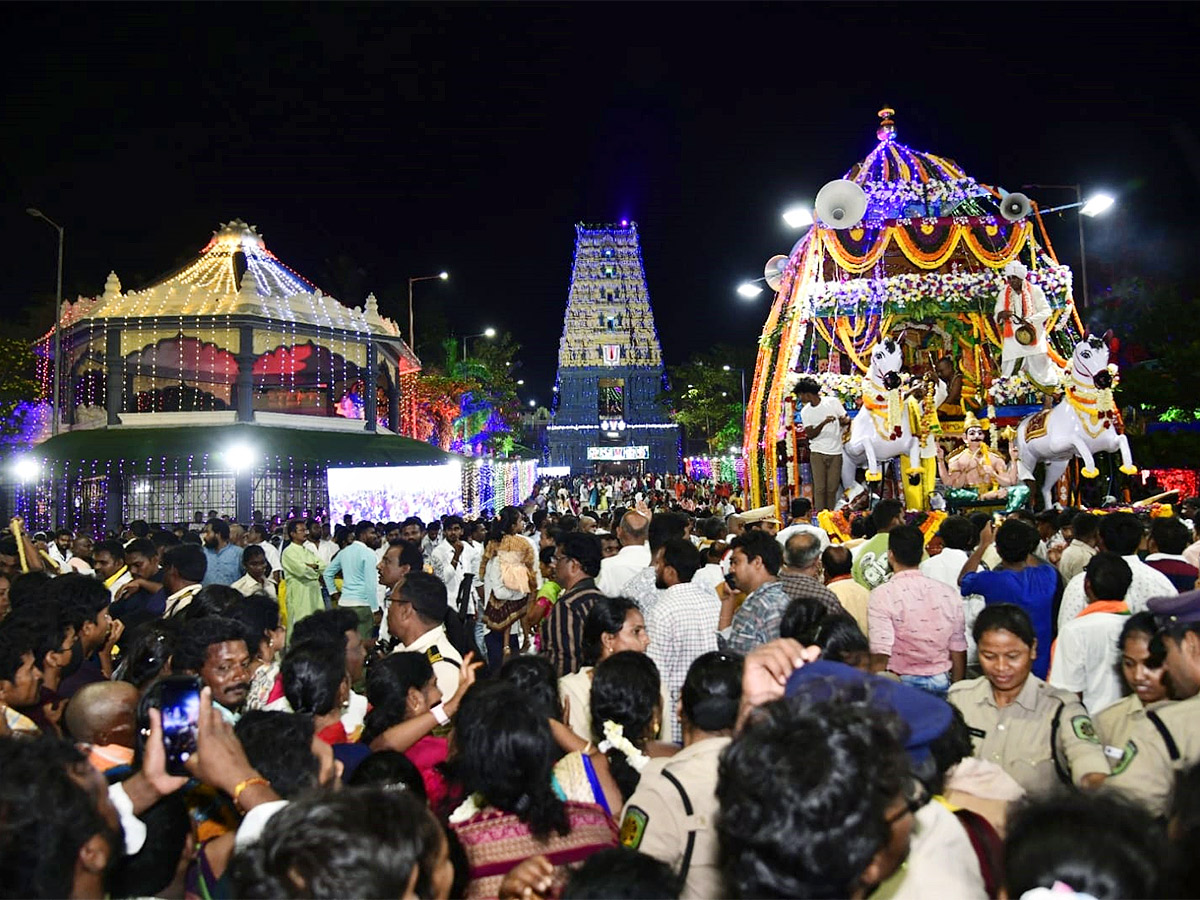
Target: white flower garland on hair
{"type": "Point", "coordinates": [614, 739]}
{"type": "Point", "coordinates": [469, 807]}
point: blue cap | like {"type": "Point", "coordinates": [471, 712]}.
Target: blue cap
{"type": "Point", "coordinates": [1178, 609]}
{"type": "Point", "coordinates": [927, 716]}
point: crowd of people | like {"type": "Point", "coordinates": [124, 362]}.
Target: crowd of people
{"type": "Point", "coordinates": [624, 687]}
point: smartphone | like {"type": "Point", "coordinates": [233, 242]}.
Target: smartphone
{"type": "Point", "coordinates": [179, 703]}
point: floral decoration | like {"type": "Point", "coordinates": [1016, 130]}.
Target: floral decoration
{"type": "Point", "coordinates": [950, 291]}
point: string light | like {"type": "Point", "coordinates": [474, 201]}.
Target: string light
{"type": "Point", "coordinates": [180, 344]}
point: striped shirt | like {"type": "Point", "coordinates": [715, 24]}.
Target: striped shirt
{"type": "Point", "coordinates": [563, 631]}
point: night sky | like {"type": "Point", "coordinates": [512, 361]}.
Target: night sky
{"type": "Point", "coordinates": [371, 143]}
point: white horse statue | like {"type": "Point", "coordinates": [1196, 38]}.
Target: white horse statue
{"type": "Point", "coordinates": [1083, 423]}
{"type": "Point", "coordinates": [881, 430]}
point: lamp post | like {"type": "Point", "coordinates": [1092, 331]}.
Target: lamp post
{"type": "Point", "coordinates": [442, 276]}
{"type": "Point", "coordinates": [1092, 207]}
{"type": "Point", "coordinates": [487, 333]}
{"type": "Point", "coordinates": [54, 412]}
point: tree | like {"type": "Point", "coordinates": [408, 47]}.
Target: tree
{"type": "Point", "coordinates": [1158, 353]}
{"type": "Point", "coordinates": [471, 402]}
{"type": "Point", "coordinates": [18, 389]}
{"type": "Point", "coordinates": [706, 397]}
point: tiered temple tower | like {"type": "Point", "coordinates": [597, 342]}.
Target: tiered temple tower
{"type": "Point", "coordinates": [609, 415]}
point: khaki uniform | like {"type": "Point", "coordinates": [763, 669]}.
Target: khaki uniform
{"type": "Point", "coordinates": [941, 861]}
{"type": "Point", "coordinates": [1114, 726]}
{"type": "Point", "coordinates": [656, 822]}
{"type": "Point", "coordinates": [1148, 776]}
{"type": "Point", "coordinates": [1042, 730]}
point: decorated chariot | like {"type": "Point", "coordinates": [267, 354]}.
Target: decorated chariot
{"type": "Point", "coordinates": [920, 297]}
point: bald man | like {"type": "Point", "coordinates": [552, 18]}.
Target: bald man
{"type": "Point", "coordinates": [103, 715]}
{"type": "Point", "coordinates": [633, 557]}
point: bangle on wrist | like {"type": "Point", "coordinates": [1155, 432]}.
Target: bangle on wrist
{"type": "Point", "coordinates": [241, 787]}
{"type": "Point", "coordinates": [439, 713]}
{"type": "Point", "coordinates": [587, 749]}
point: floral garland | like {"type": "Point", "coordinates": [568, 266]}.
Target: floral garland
{"type": "Point", "coordinates": [614, 739]}
{"type": "Point", "coordinates": [951, 190]}
{"type": "Point", "coordinates": [1013, 390]}
{"type": "Point", "coordinates": [949, 291]}
{"type": "Point", "coordinates": [847, 389]}
{"type": "Point", "coordinates": [468, 808]}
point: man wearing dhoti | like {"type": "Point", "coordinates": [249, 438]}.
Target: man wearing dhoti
{"type": "Point", "coordinates": [1021, 314]}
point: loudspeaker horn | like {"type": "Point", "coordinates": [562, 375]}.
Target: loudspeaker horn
{"type": "Point", "coordinates": [841, 204]}
{"type": "Point", "coordinates": [773, 271]}
{"type": "Point", "coordinates": [1015, 207]}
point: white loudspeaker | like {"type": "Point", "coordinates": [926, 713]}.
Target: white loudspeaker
{"type": "Point", "coordinates": [841, 204]}
{"type": "Point", "coordinates": [1015, 207]}
{"type": "Point", "coordinates": [773, 271]}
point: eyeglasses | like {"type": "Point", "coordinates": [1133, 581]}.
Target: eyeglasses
{"type": "Point", "coordinates": [916, 795]}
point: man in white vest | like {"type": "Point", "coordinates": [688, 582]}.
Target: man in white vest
{"type": "Point", "coordinates": [1021, 307]}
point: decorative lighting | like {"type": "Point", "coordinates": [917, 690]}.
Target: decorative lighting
{"type": "Point", "coordinates": [748, 290]}
{"type": "Point", "coordinates": [1097, 204]}
{"type": "Point", "coordinates": [798, 216]}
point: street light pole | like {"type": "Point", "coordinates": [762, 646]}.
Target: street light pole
{"type": "Point", "coordinates": [1078, 189]}
{"type": "Point", "coordinates": [54, 410]}
{"type": "Point", "coordinates": [412, 340]}
{"type": "Point", "coordinates": [487, 333]}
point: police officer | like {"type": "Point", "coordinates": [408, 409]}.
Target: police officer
{"type": "Point", "coordinates": [1167, 740]}
{"type": "Point", "coordinates": [1038, 734]}
{"type": "Point", "coordinates": [672, 814]}
{"type": "Point", "coordinates": [1143, 672]}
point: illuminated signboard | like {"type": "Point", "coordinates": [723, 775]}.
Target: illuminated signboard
{"type": "Point", "coordinates": [613, 454]}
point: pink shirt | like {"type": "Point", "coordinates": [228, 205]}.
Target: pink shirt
{"type": "Point", "coordinates": [917, 622]}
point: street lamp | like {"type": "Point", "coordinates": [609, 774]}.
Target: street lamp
{"type": "Point", "coordinates": [487, 333]}
{"type": "Point", "coordinates": [54, 411]}
{"type": "Point", "coordinates": [798, 216]}
{"type": "Point", "coordinates": [749, 289]}
{"type": "Point", "coordinates": [1092, 207]}
{"type": "Point", "coordinates": [442, 276]}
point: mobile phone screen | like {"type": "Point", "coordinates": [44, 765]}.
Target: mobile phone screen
{"type": "Point", "coordinates": [180, 706]}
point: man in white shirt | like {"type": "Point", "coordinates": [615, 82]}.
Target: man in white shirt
{"type": "Point", "coordinates": [257, 537]}
{"type": "Point", "coordinates": [957, 534]}
{"type": "Point", "coordinates": [1086, 656]}
{"type": "Point", "coordinates": [800, 513]}
{"type": "Point", "coordinates": [633, 556]}
{"type": "Point", "coordinates": [1085, 532]}
{"type": "Point", "coordinates": [451, 560]}
{"type": "Point", "coordinates": [1120, 533]}
{"type": "Point", "coordinates": [60, 549]}
{"type": "Point", "coordinates": [823, 419]}
{"type": "Point", "coordinates": [319, 542]}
